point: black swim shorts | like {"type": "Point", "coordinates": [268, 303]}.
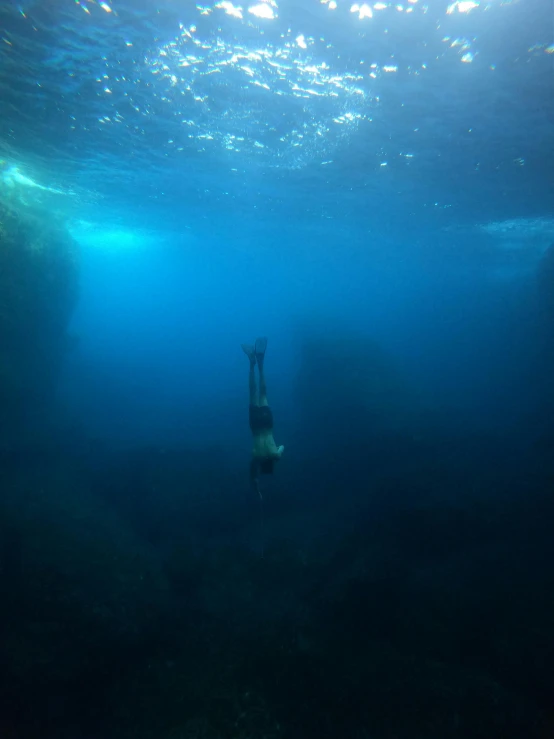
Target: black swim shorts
{"type": "Point", "coordinates": [261, 418]}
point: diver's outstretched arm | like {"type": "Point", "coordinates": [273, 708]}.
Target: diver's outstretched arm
{"type": "Point", "coordinates": [275, 451]}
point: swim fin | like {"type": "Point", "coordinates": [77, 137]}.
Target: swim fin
{"type": "Point", "coordinates": [250, 351]}
{"type": "Point", "coordinates": [260, 347]}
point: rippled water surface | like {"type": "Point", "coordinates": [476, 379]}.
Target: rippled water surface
{"type": "Point", "coordinates": [437, 111]}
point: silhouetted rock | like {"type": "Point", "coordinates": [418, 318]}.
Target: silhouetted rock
{"type": "Point", "coordinates": [38, 290]}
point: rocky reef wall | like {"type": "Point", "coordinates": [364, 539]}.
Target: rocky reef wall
{"type": "Point", "coordinates": [38, 290]}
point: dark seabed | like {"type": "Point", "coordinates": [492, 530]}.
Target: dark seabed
{"type": "Point", "coordinates": [371, 187]}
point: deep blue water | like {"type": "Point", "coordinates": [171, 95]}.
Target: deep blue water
{"type": "Point", "coordinates": [370, 186]}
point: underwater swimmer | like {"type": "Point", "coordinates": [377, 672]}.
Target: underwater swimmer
{"type": "Point", "coordinates": [265, 452]}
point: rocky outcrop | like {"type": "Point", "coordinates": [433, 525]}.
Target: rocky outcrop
{"type": "Point", "coordinates": [38, 289]}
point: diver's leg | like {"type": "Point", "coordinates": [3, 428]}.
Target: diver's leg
{"type": "Point", "coordinates": [260, 348]}
{"type": "Point", "coordinates": [252, 384]}
{"type": "Point", "coordinates": [251, 354]}
{"type": "Point", "coordinates": [263, 387]}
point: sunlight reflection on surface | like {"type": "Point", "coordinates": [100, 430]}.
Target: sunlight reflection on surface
{"type": "Point", "coordinates": [198, 91]}
{"type": "Point", "coordinates": [235, 77]}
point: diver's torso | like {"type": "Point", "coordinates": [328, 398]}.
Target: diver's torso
{"type": "Point", "coordinates": [264, 445]}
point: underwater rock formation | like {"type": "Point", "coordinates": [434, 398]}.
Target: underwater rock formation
{"type": "Point", "coordinates": [38, 289]}
{"type": "Point", "coordinates": [544, 331]}
{"type": "Point", "coordinates": [546, 286]}
{"type": "Point", "coordinates": [348, 387]}
{"type": "Point", "coordinates": [79, 589]}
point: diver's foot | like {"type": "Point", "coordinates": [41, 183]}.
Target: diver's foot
{"type": "Point", "coordinates": [260, 347]}
{"type": "Point", "coordinates": [250, 352]}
